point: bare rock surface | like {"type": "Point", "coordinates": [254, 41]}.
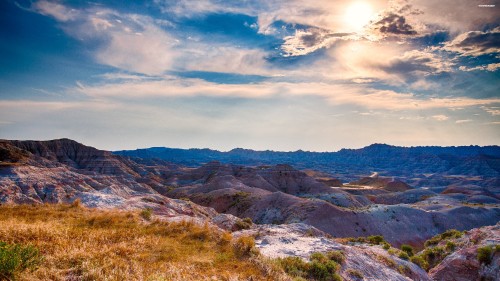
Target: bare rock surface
{"type": "Point", "coordinates": [463, 264]}
{"type": "Point", "coordinates": [301, 240]}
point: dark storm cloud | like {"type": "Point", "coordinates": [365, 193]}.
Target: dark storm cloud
{"type": "Point", "coordinates": [394, 24]}
{"type": "Point", "coordinates": [476, 43]}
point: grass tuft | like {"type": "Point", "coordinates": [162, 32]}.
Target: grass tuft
{"type": "Point", "coordinates": [146, 214]}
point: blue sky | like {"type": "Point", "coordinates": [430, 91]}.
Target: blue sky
{"type": "Point", "coordinates": [264, 74]}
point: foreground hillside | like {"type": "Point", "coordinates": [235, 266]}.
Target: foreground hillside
{"type": "Point", "coordinates": [70, 242]}
{"type": "Point", "coordinates": [76, 243]}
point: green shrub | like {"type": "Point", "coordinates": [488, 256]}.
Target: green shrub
{"type": "Point", "coordinates": [146, 214]}
{"type": "Point", "coordinates": [405, 270]}
{"type": "Point", "coordinates": [336, 256]}
{"type": "Point", "coordinates": [418, 260]}
{"type": "Point", "coordinates": [245, 223]}
{"type": "Point", "coordinates": [324, 270]}
{"type": "Point", "coordinates": [294, 266]}
{"type": "Point", "coordinates": [484, 254]}
{"type": "Point", "coordinates": [245, 246]}
{"type": "Point", "coordinates": [386, 246]}
{"type": "Point", "coordinates": [452, 233]}
{"type": "Point", "coordinates": [407, 249]}
{"type": "Point", "coordinates": [450, 246]}
{"type": "Point", "coordinates": [15, 258]}
{"type": "Point", "coordinates": [321, 266]}
{"type": "Point", "coordinates": [376, 239]}
{"type": "Point", "coordinates": [320, 257]}
{"type": "Point", "coordinates": [403, 255]}
{"type": "Point", "coordinates": [433, 256]}
{"type": "Point", "coordinates": [355, 273]}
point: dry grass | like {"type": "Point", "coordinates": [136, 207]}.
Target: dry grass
{"type": "Point", "coordinates": [89, 244]}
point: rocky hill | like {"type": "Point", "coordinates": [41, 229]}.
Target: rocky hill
{"type": "Point", "coordinates": [62, 171]}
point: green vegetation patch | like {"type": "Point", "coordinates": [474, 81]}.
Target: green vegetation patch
{"type": "Point", "coordinates": [16, 258]}
{"type": "Point", "coordinates": [449, 234]}
{"type": "Point", "coordinates": [484, 254]}
{"type": "Point", "coordinates": [321, 266]}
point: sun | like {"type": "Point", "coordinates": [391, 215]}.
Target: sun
{"type": "Point", "coordinates": [357, 15]}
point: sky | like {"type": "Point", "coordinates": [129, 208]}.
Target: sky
{"type": "Point", "coordinates": [265, 74]}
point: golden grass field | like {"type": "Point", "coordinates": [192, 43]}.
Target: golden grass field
{"type": "Point", "coordinates": [90, 244]}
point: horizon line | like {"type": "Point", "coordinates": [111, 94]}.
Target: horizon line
{"type": "Point", "coordinates": [259, 150]}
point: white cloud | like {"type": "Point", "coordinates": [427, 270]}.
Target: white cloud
{"type": "Point", "coordinates": [55, 10]}
{"type": "Point", "coordinates": [487, 67]}
{"type": "Point", "coordinates": [382, 61]}
{"type": "Point", "coordinates": [141, 44]}
{"type": "Point", "coordinates": [440, 117]}
{"type": "Point", "coordinates": [149, 52]}
{"type": "Point", "coordinates": [461, 121]}
{"type": "Point", "coordinates": [129, 42]}
{"type": "Point", "coordinates": [223, 58]}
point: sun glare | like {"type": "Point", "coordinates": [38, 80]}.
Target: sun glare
{"type": "Point", "coordinates": [357, 15]}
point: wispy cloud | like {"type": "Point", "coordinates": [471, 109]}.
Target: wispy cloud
{"type": "Point", "coordinates": [488, 67]}
{"type": "Point", "coordinates": [56, 10]}
{"type": "Point", "coordinates": [494, 110]}
{"type": "Point", "coordinates": [334, 93]}
{"type": "Point", "coordinates": [129, 42]}
{"type": "Point", "coordinates": [440, 117]}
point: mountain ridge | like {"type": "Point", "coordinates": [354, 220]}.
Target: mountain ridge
{"type": "Point", "coordinates": [349, 164]}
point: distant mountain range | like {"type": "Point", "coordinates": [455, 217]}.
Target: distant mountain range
{"type": "Point", "coordinates": [420, 166]}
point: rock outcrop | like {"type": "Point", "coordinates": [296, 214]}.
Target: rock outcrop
{"type": "Point", "coordinates": [301, 240]}
{"type": "Point", "coordinates": [464, 262]}
{"type": "Point", "coordinates": [63, 171]}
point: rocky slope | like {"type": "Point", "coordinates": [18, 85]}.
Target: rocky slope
{"type": "Point", "coordinates": [301, 240]}
{"type": "Point", "coordinates": [373, 262]}
{"type": "Point", "coordinates": [464, 262]}
{"type": "Point", "coordinates": [63, 171]}
{"type": "Point", "coordinates": [280, 194]}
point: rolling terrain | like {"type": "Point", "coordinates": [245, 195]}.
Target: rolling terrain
{"type": "Point", "coordinates": [223, 194]}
